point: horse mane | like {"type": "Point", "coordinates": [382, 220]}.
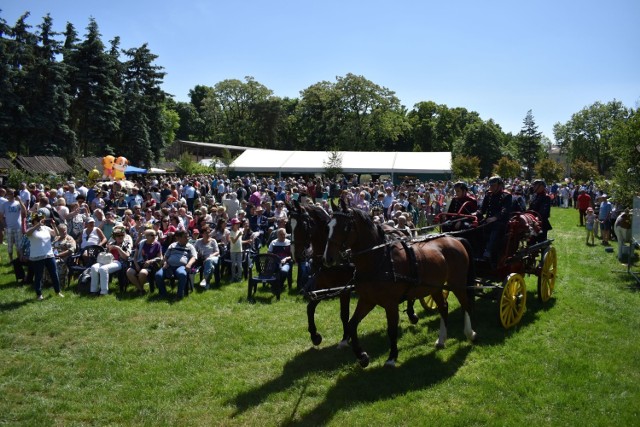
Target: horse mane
{"type": "Point", "coordinates": [365, 218]}
{"type": "Point", "coordinates": [318, 213]}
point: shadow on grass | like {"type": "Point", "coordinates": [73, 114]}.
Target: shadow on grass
{"type": "Point", "coordinates": [358, 386]}
{"type": "Point", "coordinates": [14, 305]}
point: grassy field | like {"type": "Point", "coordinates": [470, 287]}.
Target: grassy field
{"type": "Point", "coordinates": [214, 359]}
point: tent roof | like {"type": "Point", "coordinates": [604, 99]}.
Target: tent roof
{"type": "Point", "coordinates": [133, 169]}
{"type": "Point", "coordinates": [352, 162]}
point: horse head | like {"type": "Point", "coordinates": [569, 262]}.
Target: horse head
{"type": "Point", "coordinates": [300, 231]}
{"type": "Point", "coordinates": [340, 237]}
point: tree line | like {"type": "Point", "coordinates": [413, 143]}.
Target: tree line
{"type": "Point", "coordinates": [71, 97]}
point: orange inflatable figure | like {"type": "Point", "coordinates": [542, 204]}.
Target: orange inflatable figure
{"type": "Point", "coordinates": [119, 166]}
{"type": "Point", "coordinates": [107, 167]}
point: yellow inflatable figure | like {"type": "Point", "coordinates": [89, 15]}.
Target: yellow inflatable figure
{"type": "Point", "coordinates": [107, 167]}
{"type": "Point", "coordinates": [119, 166]}
{"type": "Point", "coordinates": [93, 177]}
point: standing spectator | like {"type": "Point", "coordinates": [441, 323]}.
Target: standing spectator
{"type": "Point", "coordinates": [63, 247]}
{"type": "Point", "coordinates": [590, 222]}
{"type": "Point", "coordinates": [71, 194]}
{"type": "Point", "coordinates": [61, 208]}
{"type": "Point", "coordinates": [3, 200]}
{"type": "Point", "coordinates": [583, 203]}
{"type": "Point", "coordinates": [134, 198]}
{"type": "Point", "coordinates": [41, 255]}
{"type": "Point", "coordinates": [604, 216]}
{"type": "Point", "coordinates": [235, 250]}
{"type": "Point", "coordinates": [12, 213]}
{"type": "Point", "coordinates": [622, 229]}
{"type": "Point", "coordinates": [189, 193]}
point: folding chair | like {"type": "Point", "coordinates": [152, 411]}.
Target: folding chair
{"type": "Point", "coordinates": [267, 268]}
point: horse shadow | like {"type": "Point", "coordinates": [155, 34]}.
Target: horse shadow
{"type": "Point", "coordinates": [485, 319]}
{"type": "Point", "coordinates": [312, 360]}
{"type": "Point", "coordinates": [14, 305]}
{"type": "Point", "coordinates": [358, 386]}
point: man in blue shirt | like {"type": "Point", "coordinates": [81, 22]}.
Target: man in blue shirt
{"type": "Point", "coordinates": [604, 216]}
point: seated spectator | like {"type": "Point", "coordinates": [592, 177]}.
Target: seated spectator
{"type": "Point", "coordinates": [178, 261]}
{"type": "Point", "coordinates": [209, 255]}
{"type": "Point", "coordinates": [119, 246]}
{"type": "Point", "coordinates": [147, 260]}
{"type": "Point", "coordinates": [281, 246]}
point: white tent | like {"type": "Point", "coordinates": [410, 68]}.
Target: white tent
{"type": "Point", "coordinates": [433, 164]}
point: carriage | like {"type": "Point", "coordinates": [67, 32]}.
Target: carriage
{"type": "Point", "coordinates": [388, 269]}
{"type": "Point", "coordinates": [519, 255]}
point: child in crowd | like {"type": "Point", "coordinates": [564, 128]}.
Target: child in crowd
{"type": "Point", "coordinates": [590, 223]}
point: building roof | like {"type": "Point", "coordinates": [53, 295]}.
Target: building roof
{"type": "Point", "coordinates": [90, 163]}
{"type": "Point", "coordinates": [5, 165]}
{"type": "Point", "coordinates": [43, 164]}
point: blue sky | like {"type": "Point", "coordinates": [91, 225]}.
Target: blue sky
{"type": "Point", "coordinates": [499, 58]}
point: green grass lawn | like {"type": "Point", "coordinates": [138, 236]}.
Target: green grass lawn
{"type": "Point", "coordinates": [214, 359]}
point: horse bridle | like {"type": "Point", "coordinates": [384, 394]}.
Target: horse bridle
{"type": "Point", "coordinates": [343, 249]}
{"type": "Point", "coordinates": [302, 219]}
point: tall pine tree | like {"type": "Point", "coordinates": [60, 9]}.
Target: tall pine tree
{"type": "Point", "coordinates": [529, 144]}
{"type": "Point", "coordinates": [95, 108]}
{"type": "Point", "coordinates": [143, 121]}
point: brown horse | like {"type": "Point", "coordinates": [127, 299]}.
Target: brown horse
{"type": "Point", "coordinates": [309, 229]}
{"type": "Point", "coordinates": [389, 271]}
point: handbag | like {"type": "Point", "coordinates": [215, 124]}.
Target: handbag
{"type": "Point", "coordinates": [105, 258]}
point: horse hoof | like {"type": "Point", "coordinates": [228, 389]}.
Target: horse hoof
{"type": "Point", "coordinates": [473, 337]}
{"type": "Point", "coordinates": [363, 360]}
{"type": "Point", "coordinates": [343, 344]}
{"type": "Point", "coordinates": [316, 339]}
{"type": "Point", "coordinates": [413, 318]}
{"type": "Point", "coordinates": [439, 345]}
{"type": "Point", "coordinates": [390, 363]}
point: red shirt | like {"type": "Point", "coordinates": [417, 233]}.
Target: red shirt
{"type": "Point", "coordinates": [584, 201]}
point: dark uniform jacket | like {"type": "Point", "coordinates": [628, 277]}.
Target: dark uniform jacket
{"type": "Point", "coordinates": [541, 203]}
{"type": "Point", "coordinates": [457, 202]}
{"type": "Point", "coordinates": [497, 204]}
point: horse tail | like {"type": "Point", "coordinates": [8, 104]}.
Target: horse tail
{"type": "Point", "coordinates": [471, 271]}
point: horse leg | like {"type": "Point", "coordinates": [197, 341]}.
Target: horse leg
{"type": "Point", "coordinates": [393, 318]}
{"type": "Point", "coordinates": [443, 309]}
{"type": "Point", "coordinates": [345, 300]}
{"type": "Point", "coordinates": [316, 338]}
{"type": "Point", "coordinates": [362, 309]}
{"type": "Point", "coordinates": [411, 313]}
{"type": "Point", "coordinates": [465, 304]}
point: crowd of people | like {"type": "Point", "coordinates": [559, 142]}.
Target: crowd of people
{"type": "Point", "coordinates": [155, 228]}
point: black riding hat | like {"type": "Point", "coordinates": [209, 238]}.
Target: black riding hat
{"type": "Point", "coordinates": [496, 179]}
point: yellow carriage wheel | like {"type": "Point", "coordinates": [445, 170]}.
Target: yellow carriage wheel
{"type": "Point", "coordinates": [513, 300]}
{"type": "Point", "coordinates": [429, 304]}
{"type": "Point", "coordinates": [547, 277]}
